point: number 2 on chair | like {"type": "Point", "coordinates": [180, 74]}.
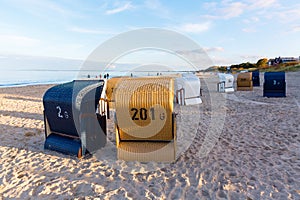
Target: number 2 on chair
{"type": "Point", "coordinates": [59, 112]}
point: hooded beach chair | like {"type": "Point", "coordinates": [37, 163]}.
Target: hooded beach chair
{"type": "Point", "coordinates": [144, 121]}
{"type": "Point", "coordinates": [255, 78]}
{"type": "Point", "coordinates": [244, 81]}
{"type": "Point", "coordinates": [111, 85]}
{"type": "Point", "coordinates": [274, 84]}
{"type": "Point", "coordinates": [75, 117]}
{"type": "Point", "coordinates": [226, 83]}
{"type": "Point", "coordinates": [188, 89]}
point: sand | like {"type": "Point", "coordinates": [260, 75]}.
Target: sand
{"type": "Point", "coordinates": [256, 155]}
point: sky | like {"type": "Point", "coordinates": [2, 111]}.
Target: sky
{"type": "Point", "coordinates": [231, 32]}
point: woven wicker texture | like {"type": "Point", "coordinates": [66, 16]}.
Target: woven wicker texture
{"type": "Point", "coordinates": [144, 108]}
{"type": "Point", "coordinates": [244, 81]}
{"type": "Point", "coordinates": [147, 151]}
{"type": "Point", "coordinates": [111, 85]}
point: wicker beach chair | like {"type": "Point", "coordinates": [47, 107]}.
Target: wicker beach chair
{"type": "Point", "coordinates": [144, 121]}
{"type": "Point", "coordinates": [244, 81]}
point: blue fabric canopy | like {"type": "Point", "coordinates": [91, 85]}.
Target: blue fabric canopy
{"type": "Point", "coordinates": [274, 84]}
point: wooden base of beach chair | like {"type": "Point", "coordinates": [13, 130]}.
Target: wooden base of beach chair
{"type": "Point", "coordinates": [244, 88]}
{"type": "Point", "coordinates": [147, 151]}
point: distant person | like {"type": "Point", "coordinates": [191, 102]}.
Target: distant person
{"type": "Point", "coordinates": [89, 76]}
{"type": "Point", "coordinates": [104, 76]}
{"type": "Point", "coordinates": [100, 76]}
{"type": "Point", "coordinates": [131, 75]}
{"type": "Point", "coordinates": [107, 75]}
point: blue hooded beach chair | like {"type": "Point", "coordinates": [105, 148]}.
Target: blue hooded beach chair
{"type": "Point", "coordinates": [255, 78]}
{"type": "Point", "coordinates": [75, 117]}
{"type": "Point", "coordinates": [274, 84]}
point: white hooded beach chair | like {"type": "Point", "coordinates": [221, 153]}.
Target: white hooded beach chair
{"type": "Point", "coordinates": [226, 83]}
{"type": "Point", "coordinates": [188, 89]}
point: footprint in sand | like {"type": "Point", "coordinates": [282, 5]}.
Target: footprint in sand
{"type": "Point", "coordinates": [297, 103]}
{"type": "Point", "coordinates": [29, 134]}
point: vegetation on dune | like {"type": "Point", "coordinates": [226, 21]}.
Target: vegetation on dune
{"type": "Point", "coordinates": [261, 64]}
{"type": "Point", "coordinates": [282, 67]}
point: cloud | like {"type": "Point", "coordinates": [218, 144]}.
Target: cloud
{"type": "Point", "coordinates": [120, 8]}
{"type": "Point", "coordinates": [251, 20]}
{"type": "Point", "coordinates": [213, 49]}
{"type": "Point", "coordinates": [233, 9]}
{"type": "Point", "coordinates": [45, 9]}
{"type": "Point", "coordinates": [295, 29]}
{"type": "Point", "coordinates": [284, 15]}
{"type": "Point", "coordinates": [89, 31]}
{"type": "Point", "coordinates": [153, 4]}
{"type": "Point", "coordinates": [17, 40]}
{"type": "Point", "coordinates": [227, 9]}
{"type": "Point", "coordinates": [249, 30]}
{"type": "Point", "coordinates": [259, 4]}
{"type": "Point", "coordinates": [289, 14]}
{"type": "Point", "coordinates": [229, 60]}
{"type": "Point", "coordinates": [3, 57]}
{"type": "Point", "coordinates": [221, 61]}
{"type": "Point", "coordinates": [194, 27]}
{"type": "Point", "coordinates": [250, 58]}
{"type": "Point", "coordinates": [157, 7]}
{"type": "Point", "coordinates": [18, 44]}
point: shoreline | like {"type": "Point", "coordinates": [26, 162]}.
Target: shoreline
{"type": "Point", "coordinates": [30, 84]}
{"type": "Point", "coordinates": [12, 85]}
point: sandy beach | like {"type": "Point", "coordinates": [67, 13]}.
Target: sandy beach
{"type": "Point", "coordinates": [257, 155]}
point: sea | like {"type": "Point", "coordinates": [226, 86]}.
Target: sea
{"type": "Point", "coordinates": [23, 70]}
{"type": "Point", "coordinates": [26, 70]}
{"type": "Point", "coordinates": [25, 77]}
{"type": "Point", "coordinates": [20, 70]}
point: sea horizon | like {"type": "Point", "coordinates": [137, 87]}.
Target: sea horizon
{"type": "Point", "coordinates": [36, 76]}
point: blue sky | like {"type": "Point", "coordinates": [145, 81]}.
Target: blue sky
{"type": "Point", "coordinates": [230, 31]}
